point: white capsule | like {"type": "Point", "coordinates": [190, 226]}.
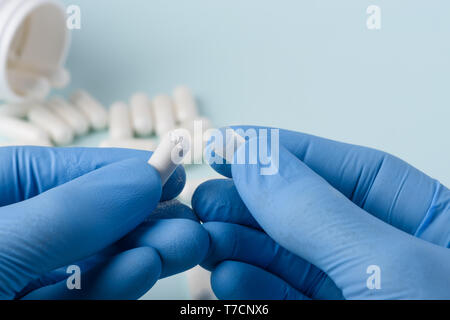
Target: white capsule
{"type": "Point", "coordinates": [19, 110]}
{"type": "Point", "coordinates": [185, 104]}
{"type": "Point", "coordinates": [59, 131]}
{"type": "Point", "coordinates": [170, 153]}
{"type": "Point", "coordinates": [137, 144]}
{"type": "Point", "coordinates": [20, 143]}
{"type": "Point", "coordinates": [28, 85]}
{"type": "Point", "coordinates": [91, 108]}
{"type": "Point", "coordinates": [71, 115]}
{"type": "Point", "coordinates": [17, 129]}
{"type": "Point", "coordinates": [120, 121]}
{"type": "Point", "coordinates": [141, 114]}
{"type": "Point", "coordinates": [164, 115]}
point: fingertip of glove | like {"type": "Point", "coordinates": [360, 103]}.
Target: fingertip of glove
{"type": "Point", "coordinates": [174, 185]}
{"type": "Point", "coordinates": [138, 178]}
{"type": "Point", "coordinates": [148, 260]}
{"type": "Point", "coordinates": [204, 200]}
{"type": "Point", "coordinates": [201, 194]}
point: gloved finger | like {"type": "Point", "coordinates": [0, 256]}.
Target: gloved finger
{"type": "Point", "coordinates": [28, 171]}
{"type": "Point", "coordinates": [61, 274]}
{"type": "Point", "coordinates": [218, 200]}
{"type": "Point", "coordinates": [233, 280]}
{"type": "Point", "coordinates": [381, 184]}
{"type": "Point", "coordinates": [166, 210]}
{"type": "Point", "coordinates": [181, 243]}
{"type": "Point", "coordinates": [239, 243]}
{"type": "Point", "coordinates": [128, 275]}
{"type": "Point", "coordinates": [73, 221]}
{"type": "Point", "coordinates": [172, 209]}
{"type": "Point", "coordinates": [307, 216]}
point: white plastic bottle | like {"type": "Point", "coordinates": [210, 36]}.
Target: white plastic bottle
{"type": "Point", "coordinates": [34, 41]}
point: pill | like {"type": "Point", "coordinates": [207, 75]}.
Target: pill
{"type": "Point", "coordinates": [164, 115]}
{"type": "Point", "coordinates": [71, 115]}
{"type": "Point", "coordinates": [14, 128]}
{"type": "Point", "coordinates": [228, 147]}
{"type": "Point", "coordinates": [91, 108]}
{"type": "Point", "coordinates": [19, 110]}
{"type": "Point", "coordinates": [185, 104]}
{"type": "Point", "coordinates": [141, 114]}
{"type": "Point", "coordinates": [59, 131]}
{"type": "Point", "coordinates": [19, 143]}
{"type": "Point", "coordinates": [28, 84]}
{"type": "Point", "coordinates": [170, 153]}
{"type": "Point", "coordinates": [120, 121]}
{"type": "Point", "coordinates": [138, 144]}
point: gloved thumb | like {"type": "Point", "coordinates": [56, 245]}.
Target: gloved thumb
{"type": "Point", "coordinates": [73, 221]}
{"type": "Point", "coordinates": [307, 216]}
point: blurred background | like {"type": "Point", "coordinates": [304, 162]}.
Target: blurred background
{"type": "Point", "coordinates": [310, 66]}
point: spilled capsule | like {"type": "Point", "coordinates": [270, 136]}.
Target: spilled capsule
{"type": "Point", "coordinates": [137, 144]}
{"type": "Point", "coordinates": [141, 114]}
{"type": "Point", "coordinates": [58, 130]}
{"type": "Point", "coordinates": [120, 121]}
{"type": "Point", "coordinates": [185, 104]}
{"type": "Point", "coordinates": [71, 115]}
{"type": "Point", "coordinates": [164, 115]}
{"type": "Point", "coordinates": [91, 108]}
{"type": "Point", "coordinates": [18, 129]}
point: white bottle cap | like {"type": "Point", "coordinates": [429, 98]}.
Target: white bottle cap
{"type": "Point", "coordinates": [34, 40]}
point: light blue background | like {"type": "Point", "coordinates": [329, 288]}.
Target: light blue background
{"type": "Point", "coordinates": [311, 66]}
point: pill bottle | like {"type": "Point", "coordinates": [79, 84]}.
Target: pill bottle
{"type": "Point", "coordinates": [34, 41]}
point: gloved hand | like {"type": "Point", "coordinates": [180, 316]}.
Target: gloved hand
{"type": "Point", "coordinates": [93, 208]}
{"type": "Point", "coordinates": [336, 221]}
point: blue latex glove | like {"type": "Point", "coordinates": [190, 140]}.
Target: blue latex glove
{"type": "Point", "coordinates": [95, 208]}
{"type": "Point", "coordinates": [313, 230]}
